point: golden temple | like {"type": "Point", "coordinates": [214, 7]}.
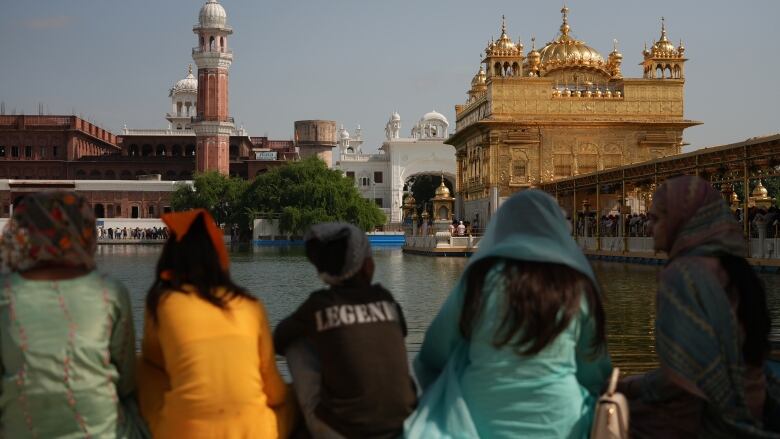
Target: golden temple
{"type": "Point", "coordinates": [560, 111]}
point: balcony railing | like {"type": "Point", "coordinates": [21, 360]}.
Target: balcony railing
{"type": "Point", "coordinates": [196, 119]}
{"type": "Point", "coordinates": [215, 50]}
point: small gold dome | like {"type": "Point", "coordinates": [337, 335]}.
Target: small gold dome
{"type": "Point", "coordinates": [760, 191]}
{"type": "Point", "coordinates": [663, 48]}
{"type": "Point", "coordinates": [410, 201]}
{"type": "Point", "coordinates": [534, 56]}
{"type": "Point", "coordinates": [734, 198]}
{"type": "Point", "coordinates": [442, 191]}
{"type": "Point", "coordinates": [615, 54]}
{"type": "Point", "coordinates": [479, 78]}
{"type": "Point", "coordinates": [504, 45]}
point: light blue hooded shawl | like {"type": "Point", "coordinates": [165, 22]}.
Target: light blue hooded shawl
{"type": "Point", "coordinates": [472, 389]}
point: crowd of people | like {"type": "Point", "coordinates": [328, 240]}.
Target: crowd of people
{"type": "Point", "coordinates": [518, 348]}
{"type": "Point", "coordinates": [147, 233]}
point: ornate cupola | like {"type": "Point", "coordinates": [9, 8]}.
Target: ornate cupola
{"type": "Point", "coordinates": [663, 60]}
{"type": "Point", "coordinates": [534, 59]}
{"type": "Point", "coordinates": [504, 58]}
{"type": "Point", "coordinates": [183, 96]}
{"type": "Point", "coordinates": [212, 123]}
{"type": "Point", "coordinates": [615, 60]}
{"type": "Point", "coordinates": [478, 84]}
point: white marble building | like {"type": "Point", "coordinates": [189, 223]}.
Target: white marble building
{"type": "Point", "coordinates": [382, 176]}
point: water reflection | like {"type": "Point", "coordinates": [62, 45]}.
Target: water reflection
{"type": "Point", "coordinates": [283, 278]}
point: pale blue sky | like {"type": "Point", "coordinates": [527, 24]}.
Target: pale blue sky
{"type": "Point", "coordinates": [354, 61]}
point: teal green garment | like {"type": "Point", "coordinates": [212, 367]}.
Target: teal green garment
{"type": "Point", "coordinates": [67, 358]}
{"type": "Point", "coordinates": [470, 388]}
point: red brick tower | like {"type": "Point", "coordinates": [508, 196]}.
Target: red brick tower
{"type": "Point", "coordinates": [212, 125]}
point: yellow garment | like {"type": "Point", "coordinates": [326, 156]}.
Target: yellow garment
{"type": "Point", "coordinates": [207, 372]}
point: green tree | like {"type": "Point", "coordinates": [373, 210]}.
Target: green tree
{"type": "Point", "coordinates": [219, 194]}
{"type": "Point", "coordinates": [306, 192]}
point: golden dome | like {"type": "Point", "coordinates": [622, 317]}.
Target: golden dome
{"type": "Point", "coordinates": [504, 45]}
{"type": "Point", "coordinates": [615, 54]}
{"type": "Point", "coordinates": [479, 78]}
{"type": "Point", "coordinates": [410, 201]}
{"type": "Point", "coordinates": [534, 54]}
{"type": "Point", "coordinates": [566, 51]}
{"type": "Point", "coordinates": [760, 191]}
{"type": "Point", "coordinates": [663, 48]}
{"type": "Point", "coordinates": [442, 191]}
{"type": "Point", "coordinates": [734, 198]}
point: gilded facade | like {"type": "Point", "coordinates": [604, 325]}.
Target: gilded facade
{"type": "Point", "coordinates": [562, 110]}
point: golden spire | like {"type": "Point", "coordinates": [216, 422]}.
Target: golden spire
{"type": "Point", "coordinates": [503, 25]}
{"type": "Point", "coordinates": [533, 44]}
{"type": "Point", "coordinates": [565, 25]}
{"type": "Point", "coordinates": [663, 30]}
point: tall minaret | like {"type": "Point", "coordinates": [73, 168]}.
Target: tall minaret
{"type": "Point", "coordinates": [211, 124]}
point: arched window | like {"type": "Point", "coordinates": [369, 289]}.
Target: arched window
{"type": "Point", "coordinates": [133, 150]}
{"type": "Point", "coordinates": [161, 150]}
{"type": "Point", "coordinates": [612, 156]}
{"type": "Point", "coordinates": [125, 175]}
{"type": "Point", "coordinates": [150, 211]}
{"type": "Point", "coordinates": [497, 69]}
{"type": "Point", "coordinates": [190, 150]}
{"type": "Point", "coordinates": [81, 174]}
{"type": "Point", "coordinates": [146, 151]}
{"type": "Point", "coordinates": [176, 150]}
{"type": "Point", "coordinates": [516, 69]}
{"type": "Point", "coordinates": [587, 158]}
{"type": "Point", "coordinates": [519, 166]}
{"type": "Point", "coordinates": [100, 211]}
{"type": "Point", "coordinates": [562, 164]}
{"type": "Point", "coordinates": [211, 43]}
{"type": "Point", "coordinates": [659, 72]}
{"type": "Point", "coordinates": [444, 213]}
{"type": "Point", "coordinates": [110, 175]}
{"type": "Point", "coordinates": [202, 43]}
{"type": "Point", "coordinates": [222, 43]}
{"type": "Point", "coordinates": [233, 151]}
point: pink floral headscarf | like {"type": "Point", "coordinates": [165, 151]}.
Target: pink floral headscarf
{"type": "Point", "coordinates": [49, 227]}
{"type": "Point", "coordinates": [697, 218]}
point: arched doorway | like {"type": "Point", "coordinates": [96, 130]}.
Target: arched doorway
{"type": "Point", "coordinates": [100, 211]}
{"type": "Point", "coordinates": [423, 188]}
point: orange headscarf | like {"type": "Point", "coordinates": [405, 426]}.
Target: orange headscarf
{"type": "Point", "coordinates": [179, 224]}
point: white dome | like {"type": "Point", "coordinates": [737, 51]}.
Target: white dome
{"type": "Point", "coordinates": [212, 14]}
{"type": "Point", "coordinates": [434, 115]}
{"type": "Point", "coordinates": [188, 84]}
{"type": "Point", "coordinates": [395, 116]}
{"type": "Point", "coordinates": [344, 134]}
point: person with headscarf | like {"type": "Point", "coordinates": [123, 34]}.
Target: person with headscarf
{"type": "Point", "coordinates": [67, 353]}
{"type": "Point", "coordinates": [208, 367]}
{"type": "Point", "coordinates": [711, 329]}
{"type": "Point", "coordinates": [345, 344]}
{"type": "Point", "coordinates": [518, 347]}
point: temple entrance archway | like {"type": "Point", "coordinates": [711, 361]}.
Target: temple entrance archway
{"type": "Point", "coordinates": [422, 187]}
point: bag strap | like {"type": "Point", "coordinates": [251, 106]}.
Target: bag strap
{"type": "Point", "coordinates": [613, 380]}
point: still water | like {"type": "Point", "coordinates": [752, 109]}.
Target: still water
{"type": "Point", "coordinates": [282, 278]}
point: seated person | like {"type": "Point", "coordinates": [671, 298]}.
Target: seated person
{"type": "Point", "coordinates": [345, 344]}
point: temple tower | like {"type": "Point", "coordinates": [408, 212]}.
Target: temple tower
{"type": "Point", "coordinates": [504, 58]}
{"type": "Point", "coordinates": [663, 60]}
{"type": "Point", "coordinates": [211, 124]}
